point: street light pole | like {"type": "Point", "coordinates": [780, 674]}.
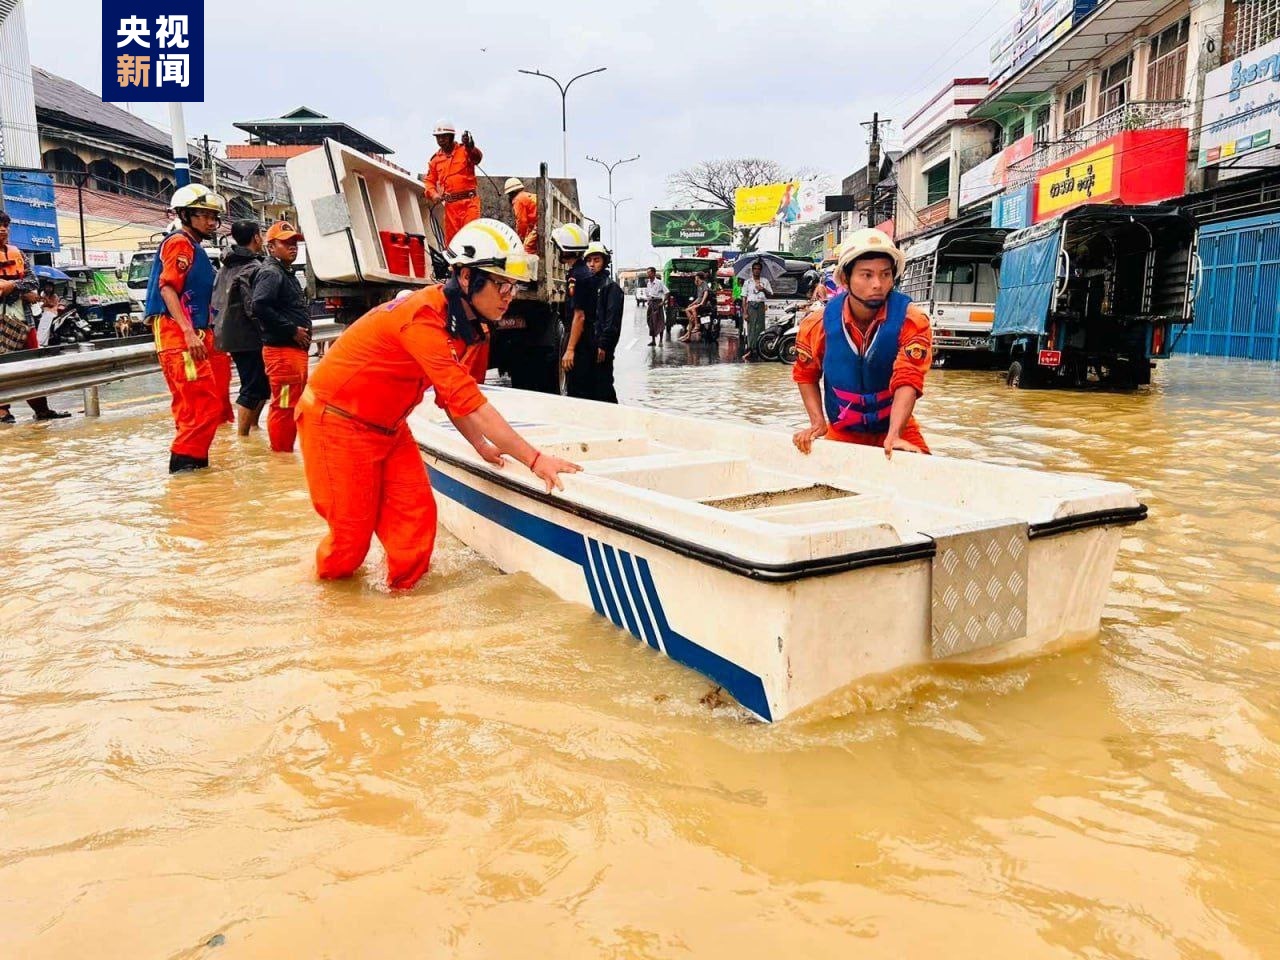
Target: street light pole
{"type": "Point", "coordinates": [613, 226]}
{"type": "Point", "coordinates": [564, 123]}
{"type": "Point", "coordinates": [613, 222]}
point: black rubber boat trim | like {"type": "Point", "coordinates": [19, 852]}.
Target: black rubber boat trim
{"type": "Point", "coordinates": [1115, 517]}
{"type": "Point", "coordinates": [768, 572]}
{"type": "Point", "coordinates": [796, 569]}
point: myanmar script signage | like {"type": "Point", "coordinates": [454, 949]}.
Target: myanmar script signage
{"type": "Point", "coordinates": [1138, 166]}
{"type": "Point", "coordinates": [153, 51]}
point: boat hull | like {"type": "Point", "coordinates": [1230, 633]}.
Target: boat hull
{"type": "Point", "coordinates": [778, 644]}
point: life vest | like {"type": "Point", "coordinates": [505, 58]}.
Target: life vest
{"type": "Point", "coordinates": [855, 386]}
{"type": "Point", "coordinates": [197, 288]}
{"type": "Point", "coordinates": [13, 266]}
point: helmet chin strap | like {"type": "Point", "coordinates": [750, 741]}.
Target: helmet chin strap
{"type": "Point", "coordinates": [874, 304]}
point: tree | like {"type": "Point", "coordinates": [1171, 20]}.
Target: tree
{"type": "Point", "coordinates": [713, 183]}
{"type": "Point", "coordinates": [805, 235]}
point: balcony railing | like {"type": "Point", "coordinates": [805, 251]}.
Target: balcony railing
{"type": "Point", "coordinates": [1136, 115]}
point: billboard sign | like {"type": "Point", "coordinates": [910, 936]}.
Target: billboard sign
{"type": "Point", "coordinates": [1138, 166]}
{"type": "Point", "coordinates": [767, 203]}
{"type": "Point", "coordinates": [1242, 108]}
{"type": "Point", "coordinates": [1014, 209]}
{"type": "Point", "coordinates": [992, 175]}
{"type": "Point", "coordinates": [682, 228]}
{"type": "Point", "coordinates": [29, 201]}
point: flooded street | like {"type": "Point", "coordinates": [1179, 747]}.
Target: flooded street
{"type": "Point", "coordinates": [206, 753]}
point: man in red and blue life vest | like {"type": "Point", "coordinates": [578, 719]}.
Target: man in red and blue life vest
{"type": "Point", "coordinates": [178, 301]}
{"type": "Point", "coordinates": [869, 348]}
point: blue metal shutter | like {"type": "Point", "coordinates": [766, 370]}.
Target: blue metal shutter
{"type": "Point", "coordinates": [1238, 305]}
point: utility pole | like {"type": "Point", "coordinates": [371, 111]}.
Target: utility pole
{"type": "Point", "coordinates": [210, 165]}
{"type": "Point", "coordinates": [873, 165]}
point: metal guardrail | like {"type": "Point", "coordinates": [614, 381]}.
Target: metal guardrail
{"type": "Point", "coordinates": [87, 366]}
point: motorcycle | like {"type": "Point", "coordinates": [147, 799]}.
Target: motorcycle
{"type": "Point", "coordinates": [770, 342]}
{"type": "Point", "coordinates": [69, 327]}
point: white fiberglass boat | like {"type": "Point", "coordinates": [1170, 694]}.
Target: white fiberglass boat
{"type": "Point", "coordinates": [782, 577]}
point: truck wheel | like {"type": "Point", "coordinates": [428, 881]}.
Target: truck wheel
{"type": "Point", "coordinates": [939, 360]}
{"type": "Point", "coordinates": [1018, 376]}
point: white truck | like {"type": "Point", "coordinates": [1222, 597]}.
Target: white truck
{"type": "Point", "coordinates": [953, 275]}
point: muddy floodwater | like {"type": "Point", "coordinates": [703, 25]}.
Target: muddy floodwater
{"type": "Point", "coordinates": [206, 753]}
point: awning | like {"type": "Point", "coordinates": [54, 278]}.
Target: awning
{"type": "Point", "coordinates": [1091, 37]}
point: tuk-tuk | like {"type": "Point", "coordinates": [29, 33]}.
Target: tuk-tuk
{"type": "Point", "coordinates": [102, 300]}
{"type": "Point", "coordinates": [679, 276]}
{"type": "Point", "coordinates": [1093, 296]}
{"type": "Point", "coordinates": [953, 276]}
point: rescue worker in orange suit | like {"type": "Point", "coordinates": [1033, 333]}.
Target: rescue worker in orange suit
{"type": "Point", "coordinates": [281, 312]}
{"type": "Point", "coordinates": [862, 357]}
{"type": "Point", "coordinates": [177, 307]}
{"type": "Point", "coordinates": [524, 209]}
{"type": "Point", "coordinates": [451, 178]}
{"type": "Point", "coordinates": [363, 468]}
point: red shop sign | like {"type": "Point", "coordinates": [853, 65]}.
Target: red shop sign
{"type": "Point", "coordinates": [1134, 167]}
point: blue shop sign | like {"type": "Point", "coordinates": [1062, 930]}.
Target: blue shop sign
{"type": "Point", "coordinates": [32, 209]}
{"type": "Point", "coordinates": [1014, 208]}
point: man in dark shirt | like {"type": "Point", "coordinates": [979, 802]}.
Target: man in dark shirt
{"type": "Point", "coordinates": [597, 325]}
{"type": "Point", "coordinates": [233, 328]}
{"type": "Point", "coordinates": [280, 311]}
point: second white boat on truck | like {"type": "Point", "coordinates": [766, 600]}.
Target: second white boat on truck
{"type": "Point", "coordinates": [371, 232]}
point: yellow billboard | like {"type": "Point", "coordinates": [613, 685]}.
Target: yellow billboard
{"type": "Point", "coordinates": [1089, 179]}
{"type": "Point", "coordinates": [767, 203]}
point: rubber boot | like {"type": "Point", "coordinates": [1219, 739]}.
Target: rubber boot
{"type": "Point", "coordinates": [179, 462]}
{"type": "Point", "coordinates": [40, 405]}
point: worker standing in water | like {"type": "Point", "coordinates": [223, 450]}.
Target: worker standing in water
{"type": "Point", "coordinates": [363, 468]}
{"type": "Point", "coordinates": [281, 311]}
{"type": "Point", "coordinates": [177, 307]}
{"type": "Point", "coordinates": [524, 209]}
{"type": "Point", "coordinates": [869, 347]}
{"type": "Point", "coordinates": [451, 178]}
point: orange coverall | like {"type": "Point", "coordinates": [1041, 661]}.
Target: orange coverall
{"type": "Point", "coordinates": [363, 468]}
{"type": "Point", "coordinates": [915, 354]}
{"type": "Point", "coordinates": [201, 390]}
{"type": "Point", "coordinates": [451, 177]}
{"type": "Point", "coordinates": [525, 209]}
{"type": "Point", "coordinates": [287, 374]}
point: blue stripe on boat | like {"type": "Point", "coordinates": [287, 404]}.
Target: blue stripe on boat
{"type": "Point", "coordinates": [743, 685]}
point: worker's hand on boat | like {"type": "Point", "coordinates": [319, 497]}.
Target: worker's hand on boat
{"type": "Point", "coordinates": [548, 469]}
{"type": "Point", "coordinates": [803, 439]}
{"type": "Point", "coordinates": [491, 454]}
{"type": "Point", "coordinates": [892, 443]}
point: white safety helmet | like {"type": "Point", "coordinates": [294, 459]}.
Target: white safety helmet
{"type": "Point", "coordinates": [596, 247]}
{"type": "Point", "coordinates": [513, 185]}
{"type": "Point", "coordinates": [867, 241]}
{"type": "Point", "coordinates": [570, 238]}
{"type": "Point", "coordinates": [444, 126]}
{"type": "Point", "coordinates": [196, 196]}
{"type": "Point", "coordinates": [490, 245]}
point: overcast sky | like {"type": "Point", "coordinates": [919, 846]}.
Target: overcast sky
{"type": "Point", "coordinates": [686, 81]}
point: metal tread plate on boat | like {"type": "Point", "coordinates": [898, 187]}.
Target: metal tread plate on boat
{"type": "Point", "coordinates": [979, 587]}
